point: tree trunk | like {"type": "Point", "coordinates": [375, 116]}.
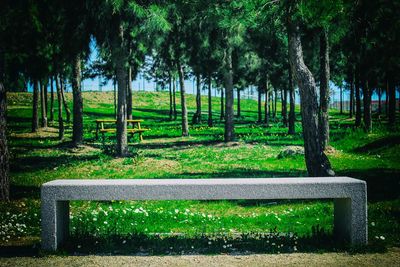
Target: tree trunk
{"type": "Point", "coordinates": [115, 98]}
{"type": "Point", "coordinates": [292, 114]}
{"type": "Point", "coordinates": [284, 107]}
{"type": "Point", "coordinates": [174, 97]}
{"type": "Point", "coordinates": [379, 101]}
{"type": "Point", "coordinates": [358, 102]}
{"type": "Point", "coordinates": [259, 105]}
{"type": "Point", "coordinates": [4, 156]}
{"type": "Point", "coordinates": [170, 98]}
{"type": "Point", "coordinates": [275, 103]}
{"type": "Point", "coordinates": [51, 100]}
{"type": "Point", "coordinates": [210, 120]}
{"type": "Point", "coordinates": [64, 101]}
{"type": "Point", "coordinates": [392, 103]}
{"type": "Point", "coordinates": [197, 115]}
{"type": "Point", "coordinates": [324, 89]}
{"type": "Point", "coordinates": [222, 116]}
{"type": "Point", "coordinates": [341, 99]}
{"type": "Point", "coordinates": [129, 94]}
{"type": "Point", "coordinates": [316, 161]}
{"type": "Point", "coordinates": [351, 97]}
{"type": "Point", "coordinates": [367, 106]}
{"type": "Point", "coordinates": [185, 125]}
{"type": "Point", "coordinates": [43, 106]}
{"type": "Point", "coordinates": [229, 112]}
{"type": "Point", "coordinates": [266, 106]}
{"type": "Point", "coordinates": [35, 106]}
{"type": "Point", "coordinates": [119, 54]}
{"type": "Point", "coordinates": [60, 118]}
{"type": "Point", "coordinates": [238, 103]}
{"type": "Point", "coordinates": [77, 127]}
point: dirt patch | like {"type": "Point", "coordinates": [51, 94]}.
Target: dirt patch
{"type": "Point", "coordinates": [299, 259]}
{"type": "Point", "coordinates": [41, 133]}
{"type": "Point", "coordinates": [160, 164]}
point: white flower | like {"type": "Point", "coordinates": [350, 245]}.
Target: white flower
{"type": "Point", "coordinates": [123, 242]}
{"type": "Point", "coordinates": [382, 237]}
{"type": "Point", "coordinates": [372, 223]}
{"type": "Point", "coordinates": [176, 211]}
{"type": "Point", "coordinates": [105, 222]}
{"type": "Point", "coordinates": [79, 246]}
{"type": "Point", "coordinates": [209, 216]}
{"type": "Point", "coordinates": [209, 242]}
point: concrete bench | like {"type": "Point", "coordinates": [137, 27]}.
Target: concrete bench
{"type": "Point", "coordinates": [349, 195]}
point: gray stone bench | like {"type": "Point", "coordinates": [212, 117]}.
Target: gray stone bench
{"type": "Point", "coordinates": [349, 195]}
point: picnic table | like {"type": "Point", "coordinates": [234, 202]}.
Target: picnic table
{"type": "Point", "coordinates": [136, 129]}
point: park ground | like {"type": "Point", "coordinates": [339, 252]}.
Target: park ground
{"type": "Point", "coordinates": [196, 227]}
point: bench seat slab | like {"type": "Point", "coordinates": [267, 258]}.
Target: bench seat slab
{"type": "Point", "coordinates": [349, 195]}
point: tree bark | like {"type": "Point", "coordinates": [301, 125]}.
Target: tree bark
{"type": "Point", "coordinates": [129, 94]}
{"type": "Point", "coordinates": [238, 103]}
{"type": "Point", "coordinates": [229, 112]}
{"type": "Point", "coordinates": [222, 115]}
{"type": "Point", "coordinates": [4, 155]}
{"type": "Point", "coordinates": [358, 102]}
{"type": "Point", "coordinates": [170, 98]}
{"type": "Point", "coordinates": [351, 97]}
{"type": "Point", "coordinates": [210, 120]}
{"type": "Point", "coordinates": [174, 97]}
{"type": "Point", "coordinates": [35, 106]}
{"type": "Point", "coordinates": [60, 118]}
{"type": "Point", "coordinates": [185, 125]}
{"type": "Point", "coordinates": [367, 106]}
{"type": "Point", "coordinates": [316, 161]}
{"type": "Point", "coordinates": [275, 103]}
{"type": "Point", "coordinates": [341, 99]}
{"type": "Point", "coordinates": [392, 103]}
{"type": "Point", "coordinates": [115, 98]}
{"type": "Point", "coordinates": [64, 101]}
{"type": "Point", "coordinates": [259, 120]}
{"type": "Point", "coordinates": [324, 89]}
{"type": "Point", "coordinates": [379, 101]}
{"type": "Point", "coordinates": [197, 115]}
{"type": "Point", "coordinates": [43, 106]}
{"type": "Point", "coordinates": [119, 54]}
{"type": "Point", "coordinates": [266, 106]}
{"type": "Point", "coordinates": [284, 107]}
{"type": "Point", "coordinates": [292, 106]}
{"type": "Point", "coordinates": [51, 100]}
{"type": "Point", "coordinates": [77, 124]}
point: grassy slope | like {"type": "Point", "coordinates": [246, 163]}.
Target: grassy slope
{"type": "Point", "coordinates": [37, 158]}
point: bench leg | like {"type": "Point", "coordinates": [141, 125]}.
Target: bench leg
{"type": "Point", "coordinates": [350, 219]}
{"type": "Point", "coordinates": [55, 223]}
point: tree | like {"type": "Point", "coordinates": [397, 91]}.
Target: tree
{"type": "Point", "coordinates": [4, 156]}
{"type": "Point", "coordinates": [316, 161]}
{"type": "Point", "coordinates": [77, 128]}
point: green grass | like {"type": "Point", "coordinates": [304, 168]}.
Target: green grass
{"type": "Point", "coordinates": [38, 158]}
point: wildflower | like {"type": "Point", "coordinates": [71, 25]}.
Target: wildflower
{"type": "Point", "coordinates": [209, 216]}
{"type": "Point", "coordinates": [105, 222]}
{"type": "Point", "coordinates": [176, 211]}
{"type": "Point", "coordinates": [294, 248]}
{"type": "Point", "coordinates": [382, 237]}
{"type": "Point", "coordinates": [372, 223]}
{"type": "Point", "coordinates": [79, 246]}
{"type": "Point", "coordinates": [124, 241]}
{"type": "Point", "coordinates": [209, 242]}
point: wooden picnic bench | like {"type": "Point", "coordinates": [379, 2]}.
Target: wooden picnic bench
{"type": "Point", "coordinates": [135, 123]}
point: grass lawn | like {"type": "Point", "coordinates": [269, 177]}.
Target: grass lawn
{"type": "Point", "coordinates": [163, 227]}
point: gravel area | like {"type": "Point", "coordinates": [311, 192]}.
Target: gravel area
{"type": "Point", "coordinates": [390, 258]}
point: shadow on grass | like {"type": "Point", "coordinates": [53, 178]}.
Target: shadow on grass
{"type": "Point", "coordinates": [32, 163]}
{"type": "Point", "coordinates": [382, 184]}
{"type": "Point", "coordinates": [19, 192]}
{"type": "Point", "coordinates": [379, 144]}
